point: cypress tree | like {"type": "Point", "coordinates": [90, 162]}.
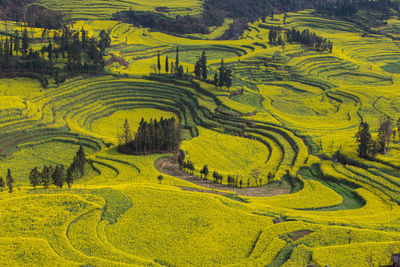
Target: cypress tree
{"type": "Point", "coordinates": [166, 64]}
{"type": "Point", "coordinates": [10, 181]}
{"type": "Point", "coordinates": [177, 60]}
{"type": "Point", "coordinates": [158, 62]}
{"type": "Point", "coordinates": [197, 70]}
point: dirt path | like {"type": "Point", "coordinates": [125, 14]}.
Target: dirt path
{"type": "Point", "coordinates": [170, 167]}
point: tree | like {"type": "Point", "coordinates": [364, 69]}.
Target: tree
{"type": "Point", "coordinates": [158, 63]}
{"type": "Point", "coordinates": [203, 65]}
{"type": "Point", "coordinates": [34, 177]}
{"type": "Point", "coordinates": [126, 135]}
{"type": "Point", "coordinates": [197, 70]}
{"type": "Point", "coordinates": [384, 133]}
{"type": "Point", "coordinates": [221, 77]}
{"type": "Point", "coordinates": [205, 171]}
{"type": "Point", "coordinates": [228, 78]}
{"type": "Point", "coordinates": [177, 60]}
{"type": "Point", "coordinates": [398, 128]}
{"type": "Point", "coordinates": [25, 42]}
{"type": "Point", "coordinates": [180, 72]}
{"type": "Point", "coordinates": [166, 64]}
{"type": "Point", "coordinates": [2, 183]}
{"type": "Point", "coordinates": [80, 160]}
{"type": "Point", "coordinates": [10, 181]}
{"type": "Point", "coordinates": [58, 176]}
{"type": "Point", "coordinates": [366, 146]}
{"type": "Point", "coordinates": [71, 172]}
{"type": "Point", "coordinates": [160, 178]}
{"type": "Point", "coordinates": [216, 79]}
{"type": "Point", "coordinates": [105, 40]}
{"type": "Point", "coordinates": [46, 176]}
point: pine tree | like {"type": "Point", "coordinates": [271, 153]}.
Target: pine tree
{"type": "Point", "coordinates": [180, 72]}
{"type": "Point", "coordinates": [177, 60]}
{"type": "Point", "coordinates": [34, 177]}
{"type": "Point", "coordinates": [366, 146]}
{"type": "Point", "coordinates": [70, 175]}
{"type": "Point", "coordinates": [203, 65]}
{"type": "Point", "coordinates": [84, 39]}
{"type": "Point", "coordinates": [46, 176]}
{"type": "Point", "coordinates": [197, 70]}
{"type": "Point", "coordinates": [2, 183]}
{"type": "Point", "coordinates": [216, 79]}
{"type": "Point", "coordinates": [228, 78]}
{"type": "Point", "coordinates": [205, 171]}
{"type": "Point", "coordinates": [384, 133]}
{"type": "Point", "coordinates": [17, 42]}
{"type": "Point", "coordinates": [10, 181]}
{"type": "Point", "coordinates": [398, 128]}
{"type": "Point", "coordinates": [222, 72]}
{"type": "Point", "coordinates": [25, 42]}
{"type": "Point", "coordinates": [58, 176]}
{"type": "Point", "coordinates": [81, 160]}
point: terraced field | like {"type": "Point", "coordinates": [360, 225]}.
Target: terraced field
{"type": "Point", "coordinates": [295, 122]}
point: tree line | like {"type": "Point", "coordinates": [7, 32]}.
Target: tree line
{"type": "Point", "coordinates": [58, 176]}
{"type": "Point", "coordinates": [157, 21]}
{"type": "Point", "coordinates": [187, 166]}
{"type": "Point", "coordinates": [34, 15]}
{"type": "Point", "coordinates": [368, 148]}
{"type": "Point", "coordinates": [153, 137]}
{"type": "Point", "coordinates": [54, 175]}
{"type": "Point", "coordinates": [305, 37]}
{"type": "Point", "coordinates": [347, 8]}
{"type": "Point", "coordinates": [66, 55]}
{"type": "Point", "coordinates": [222, 76]}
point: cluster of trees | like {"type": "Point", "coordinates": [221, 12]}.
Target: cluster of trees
{"type": "Point", "coordinates": [65, 55]}
{"type": "Point", "coordinates": [187, 166]}
{"type": "Point", "coordinates": [369, 148]}
{"type": "Point", "coordinates": [214, 13]}
{"type": "Point", "coordinates": [223, 76]}
{"type": "Point", "coordinates": [310, 39]}
{"type": "Point", "coordinates": [346, 8]}
{"type": "Point", "coordinates": [154, 137]}
{"type": "Point", "coordinates": [35, 15]}
{"type": "Point", "coordinates": [337, 8]}
{"type": "Point", "coordinates": [175, 68]}
{"type": "Point", "coordinates": [305, 37]}
{"type": "Point", "coordinates": [157, 21]}
{"type": "Point", "coordinates": [58, 176]}
{"type": "Point", "coordinates": [9, 182]}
